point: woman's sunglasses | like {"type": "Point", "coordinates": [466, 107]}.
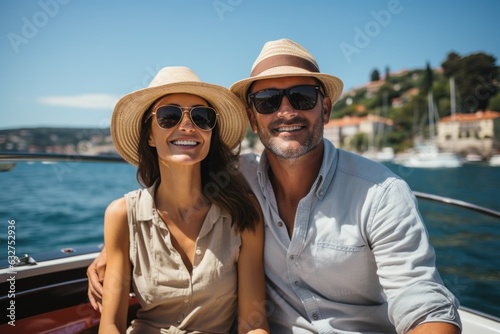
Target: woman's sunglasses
{"type": "Point", "coordinates": [168, 116]}
{"type": "Point", "coordinates": [302, 97]}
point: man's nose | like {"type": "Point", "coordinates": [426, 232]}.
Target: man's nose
{"type": "Point", "coordinates": [286, 110]}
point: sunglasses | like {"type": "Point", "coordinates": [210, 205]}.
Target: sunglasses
{"type": "Point", "coordinates": [302, 97]}
{"type": "Point", "coordinates": [169, 116]}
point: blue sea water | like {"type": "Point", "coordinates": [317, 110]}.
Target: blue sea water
{"type": "Point", "coordinates": [62, 205]}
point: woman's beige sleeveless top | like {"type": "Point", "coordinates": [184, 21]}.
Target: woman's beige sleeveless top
{"type": "Point", "coordinates": [172, 300]}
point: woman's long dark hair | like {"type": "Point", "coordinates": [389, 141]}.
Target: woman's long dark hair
{"type": "Point", "coordinates": [222, 182]}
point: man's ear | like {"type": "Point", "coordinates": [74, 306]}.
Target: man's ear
{"type": "Point", "coordinates": [251, 118]}
{"type": "Point", "coordinates": [327, 109]}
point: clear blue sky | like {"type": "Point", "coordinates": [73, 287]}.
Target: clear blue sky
{"type": "Point", "coordinates": [66, 62]}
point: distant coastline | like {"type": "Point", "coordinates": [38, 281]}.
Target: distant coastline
{"type": "Point", "coordinates": [91, 141]}
{"type": "Point", "coordinates": [87, 141]}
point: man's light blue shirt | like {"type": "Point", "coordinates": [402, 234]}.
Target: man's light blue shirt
{"type": "Point", "coordinates": [359, 260]}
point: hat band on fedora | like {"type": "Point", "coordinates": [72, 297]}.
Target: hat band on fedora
{"type": "Point", "coordinates": [283, 60]}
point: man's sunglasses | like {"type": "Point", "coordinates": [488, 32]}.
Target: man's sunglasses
{"type": "Point", "coordinates": [302, 97]}
{"type": "Point", "coordinates": [168, 116]}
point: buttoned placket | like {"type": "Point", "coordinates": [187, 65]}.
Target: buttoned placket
{"type": "Point", "coordinates": [297, 244]}
{"type": "Point", "coordinates": [273, 209]}
{"type": "Point", "coordinates": [198, 256]}
{"type": "Point", "coordinates": [187, 303]}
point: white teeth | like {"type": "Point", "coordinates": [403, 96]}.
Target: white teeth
{"type": "Point", "coordinates": [289, 128]}
{"type": "Point", "coordinates": [185, 142]}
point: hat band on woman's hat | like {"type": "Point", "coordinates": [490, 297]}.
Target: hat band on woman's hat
{"type": "Point", "coordinates": [283, 60]}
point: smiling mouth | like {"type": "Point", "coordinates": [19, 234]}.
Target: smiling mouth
{"type": "Point", "coordinates": [184, 143]}
{"type": "Point", "coordinates": [289, 128]}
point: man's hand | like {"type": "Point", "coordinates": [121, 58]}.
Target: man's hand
{"type": "Point", "coordinates": [95, 274]}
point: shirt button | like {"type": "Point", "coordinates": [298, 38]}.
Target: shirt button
{"type": "Point", "coordinates": [280, 224]}
{"type": "Point", "coordinates": [296, 283]}
{"type": "Point", "coordinates": [198, 251]}
{"type": "Point", "coordinates": [315, 316]}
{"type": "Point", "coordinates": [291, 257]}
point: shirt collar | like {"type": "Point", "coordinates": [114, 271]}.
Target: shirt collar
{"type": "Point", "coordinates": [326, 172]}
{"type": "Point", "coordinates": [147, 210]}
{"type": "Point", "coordinates": [328, 168]}
{"type": "Point", "coordinates": [146, 203]}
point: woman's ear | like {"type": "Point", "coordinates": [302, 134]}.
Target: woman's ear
{"type": "Point", "coordinates": [151, 140]}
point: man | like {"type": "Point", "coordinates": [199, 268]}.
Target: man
{"type": "Point", "coordinates": [346, 250]}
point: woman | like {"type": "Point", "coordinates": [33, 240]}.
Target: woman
{"type": "Point", "coordinates": [191, 241]}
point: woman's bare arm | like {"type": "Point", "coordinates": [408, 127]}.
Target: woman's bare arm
{"type": "Point", "coordinates": [251, 283]}
{"type": "Point", "coordinates": [116, 286]}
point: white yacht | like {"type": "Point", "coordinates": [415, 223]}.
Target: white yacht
{"type": "Point", "coordinates": [427, 155]}
{"type": "Point", "coordinates": [494, 160]}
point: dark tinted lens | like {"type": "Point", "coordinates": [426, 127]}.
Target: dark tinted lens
{"type": "Point", "coordinates": [266, 101]}
{"type": "Point", "coordinates": [303, 97]}
{"type": "Point", "coordinates": [168, 116]}
{"type": "Point", "coordinates": [204, 117]}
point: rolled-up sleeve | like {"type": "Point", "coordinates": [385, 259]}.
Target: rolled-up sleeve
{"type": "Point", "coordinates": [406, 261]}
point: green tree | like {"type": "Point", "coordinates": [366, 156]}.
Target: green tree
{"type": "Point", "coordinates": [375, 76]}
{"type": "Point", "coordinates": [495, 103]}
{"type": "Point", "coordinates": [427, 80]}
{"type": "Point", "coordinates": [475, 76]}
{"type": "Point", "coordinates": [359, 142]}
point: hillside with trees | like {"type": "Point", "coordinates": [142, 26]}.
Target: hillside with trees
{"type": "Point", "coordinates": [402, 96]}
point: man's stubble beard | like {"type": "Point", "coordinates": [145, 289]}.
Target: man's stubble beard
{"type": "Point", "coordinates": [272, 144]}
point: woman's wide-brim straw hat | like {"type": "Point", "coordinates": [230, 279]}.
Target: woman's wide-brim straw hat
{"type": "Point", "coordinates": [285, 58]}
{"type": "Point", "coordinates": [128, 112]}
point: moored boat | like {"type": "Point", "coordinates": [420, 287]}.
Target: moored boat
{"type": "Point", "coordinates": [7, 166]}
{"type": "Point", "coordinates": [494, 160]}
{"type": "Point", "coordinates": [473, 157]}
{"type": "Point", "coordinates": [427, 155]}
